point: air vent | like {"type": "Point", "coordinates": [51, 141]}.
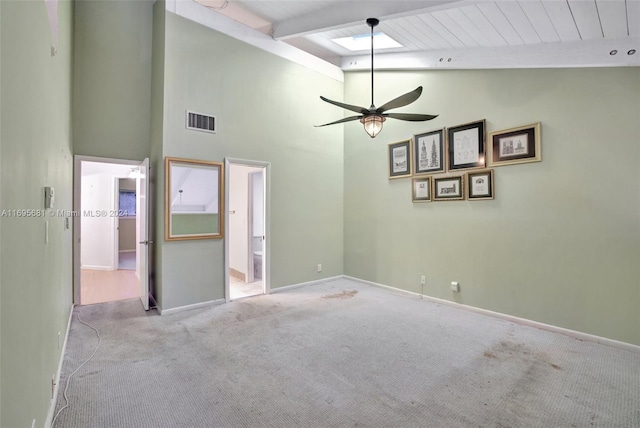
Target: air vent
{"type": "Point", "coordinates": [201, 122]}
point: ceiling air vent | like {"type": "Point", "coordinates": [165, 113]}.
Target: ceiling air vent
{"type": "Point", "coordinates": [201, 122]}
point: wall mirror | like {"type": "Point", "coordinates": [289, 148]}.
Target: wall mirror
{"type": "Point", "coordinates": [194, 202]}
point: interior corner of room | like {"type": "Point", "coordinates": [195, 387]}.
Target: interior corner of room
{"type": "Point", "coordinates": [92, 89]}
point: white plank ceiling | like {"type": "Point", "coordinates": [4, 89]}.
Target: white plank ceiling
{"type": "Point", "coordinates": [454, 34]}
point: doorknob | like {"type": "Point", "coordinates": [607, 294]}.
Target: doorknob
{"type": "Point", "coordinates": [146, 242]}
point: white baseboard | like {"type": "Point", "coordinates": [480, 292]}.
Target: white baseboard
{"type": "Point", "coordinates": [190, 307]}
{"type": "Point", "coordinates": [304, 284]}
{"type": "Point", "coordinates": [542, 326]}
{"type": "Point", "coordinates": [56, 388]}
{"type": "Point", "coordinates": [96, 267]}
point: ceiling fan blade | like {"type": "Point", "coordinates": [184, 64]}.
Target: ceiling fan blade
{"type": "Point", "coordinates": [346, 106]}
{"type": "Point", "coordinates": [346, 119]}
{"type": "Point", "coordinates": [411, 117]}
{"type": "Point", "coordinates": [402, 100]}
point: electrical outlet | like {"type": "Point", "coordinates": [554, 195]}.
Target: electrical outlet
{"type": "Point", "coordinates": [423, 280]}
{"type": "Point", "coordinates": [455, 286]}
{"type": "Point", "coordinates": [319, 267]}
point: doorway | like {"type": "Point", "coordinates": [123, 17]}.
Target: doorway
{"type": "Point", "coordinates": [110, 230]}
{"type": "Point", "coordinates": [246, 246]}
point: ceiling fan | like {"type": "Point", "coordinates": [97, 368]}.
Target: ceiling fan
{"type": "Point", "coordinates": [373, 116]}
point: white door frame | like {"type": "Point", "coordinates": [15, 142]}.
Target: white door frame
{"type": "Point", "coordinates": [250, 267]}
{"type": "Point", "coordinates": [266, 256]}
{"type": "Point", "coordinates": [77, 191]}
{"type": "Point", "coordinates": [116, 225]}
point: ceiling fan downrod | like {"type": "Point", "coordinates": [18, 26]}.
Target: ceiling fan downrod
{"type": "Point", "coordinates": [372, 22]}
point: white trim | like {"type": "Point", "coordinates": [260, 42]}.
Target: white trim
{"type": "Point", "coordinates": [202, 15]}
{"type": "Point", "coordinates": [583, 53]}
{"type": "Point", "coordinates": [127, 251]}
{"type": "Point", "coordinates": [115, 223]}
{"type": "Point", "coordinates": [309, 283]}
{"type": "Point", "coordinates": [523, 321]}
{"type": "Point", "coordinates": [54, 400]}
{"type": "Point", "coordinates": [190, 307]}
{"type": "Point", "coordinates": [97, 267]}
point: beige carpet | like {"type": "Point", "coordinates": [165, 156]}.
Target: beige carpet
{"type": "Point", "coordinates": [339, 354]}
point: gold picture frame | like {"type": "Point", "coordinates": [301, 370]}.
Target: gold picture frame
{"type": "Point", "coordinates": [421, 189]}
{"type": "Point", "coordinates": [194, 199]}
{"type": "Point", "coordinates": [517, 145]}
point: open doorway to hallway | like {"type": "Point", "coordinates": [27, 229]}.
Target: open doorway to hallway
{"type": "Point", "coordinates": [109, 260]}
{"type": "Point", "coordinates": [246, 229]}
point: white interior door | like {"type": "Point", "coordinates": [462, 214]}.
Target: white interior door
{"type": "Point", "coordinates": [142, 232]}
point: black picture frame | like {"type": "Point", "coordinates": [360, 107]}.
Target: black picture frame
{"type": "Point", "coordinates": [400, 159]}
{"type": "Point", "coordinates": [467, 145]}
{"type": "Point", "coordinates": [429, 152]}
{"type": "Point", "coordinates": [515, 145]}
{"type": "Point", "coordinates": [480, 185]}
{"type": "Point", "coordinates": [448, 188]}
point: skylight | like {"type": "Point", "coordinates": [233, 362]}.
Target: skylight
{"type": "Point", "coordinates": [362, 42]}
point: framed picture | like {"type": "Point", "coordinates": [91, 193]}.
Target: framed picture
{"type": "Point", "coordinates": [421, 189]}
{"type": "Point", "coordinates": [466, 145]}
{"type": "Point", "coordinates": [448, 188]}
{"type": "Point", "coordinates": [515, 145]}
{"type": "Point", "coordinates": [400, 159]}
{"type": "Point", "coordinates": [480, 185]}
{"type": "Point", "coordinates": [194, 199]}
{"type": "Point", "coordinates": [428, 152]}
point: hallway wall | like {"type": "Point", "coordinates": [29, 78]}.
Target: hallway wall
{"type": "Point", "coordinates": [35, 151]}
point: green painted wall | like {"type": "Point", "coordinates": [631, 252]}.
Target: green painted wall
{"type": "Point", "coordinates": [0, 207]}
{"type": "Point", "coordinates": [560, 243]}
{"type": "Point", "coordinates": [266, 108]}
{"type": "Point", "coordinates": [112, 78]}
{"type": "Point", "coordinates": [36, 151]}
{"type": "Point", "coordinates": [156, 175]}
{"type": "Point", "coordinates": [189, 224]}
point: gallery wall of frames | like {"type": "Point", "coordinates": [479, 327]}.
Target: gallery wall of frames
{"type": "Point", "coordinates": [457, 163]}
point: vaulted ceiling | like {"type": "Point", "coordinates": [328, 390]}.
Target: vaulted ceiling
{"type": "Point", "coordinates": [452, 33]}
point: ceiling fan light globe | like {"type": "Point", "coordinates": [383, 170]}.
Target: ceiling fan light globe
{"type": "Point", "coordinates": [372, 124]}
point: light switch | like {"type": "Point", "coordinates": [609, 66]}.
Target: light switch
{"type": "Point", "coordinates": [48, 197]}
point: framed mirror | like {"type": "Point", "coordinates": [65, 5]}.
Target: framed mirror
{"type": "Point", "coordinates": [194, 202]}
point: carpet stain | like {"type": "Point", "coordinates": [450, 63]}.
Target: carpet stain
{"type": "Point", "coordinates": [530, 359]}
{"type": "Point", "coordinates": [344, 295]}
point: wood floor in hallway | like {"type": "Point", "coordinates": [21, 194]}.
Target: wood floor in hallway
{"type": "Point", "coordinates": [100, 286]}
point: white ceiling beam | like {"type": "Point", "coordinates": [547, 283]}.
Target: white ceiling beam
{"type": "Point", "coordinates": [593, 53]}
{"type": "Point", "coordinates": [349, 13]}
